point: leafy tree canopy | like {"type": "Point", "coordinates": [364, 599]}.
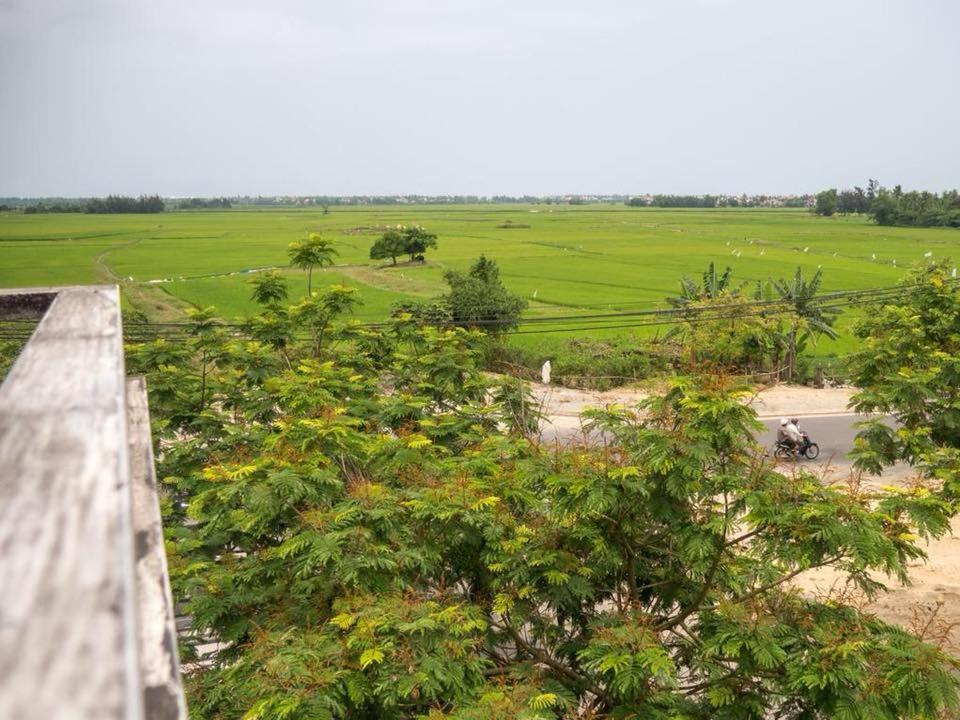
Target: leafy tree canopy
{"type": "Point", "coordinates": [413, 241]}
{"type": "Point", "coordinates": [478, 298]}
{"type": "Point", "coordinates": [826, 202]}
{"type": "Point", "coordinates": [909, 367]}
{"type": "Point", "coordinates": [368, 533]}
{"type": "Point", "coordinates": [269, 288]}
{"type": "Point", "coordinates": [391, 244]}
{"type": "Point", "coordinates": [312, 252]}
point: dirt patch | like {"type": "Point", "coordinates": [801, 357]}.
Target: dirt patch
{"type": "Point", "coordinates": [403, 279]}
{"type": "Point", "coordinates": [775, 401]}
{"type": "Point", "coordinates": [367, 229]}
{"type": "Point", "coordinates": [932, 598]}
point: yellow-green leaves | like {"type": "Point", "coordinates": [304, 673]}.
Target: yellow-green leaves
{"type": "Point", "coordinates": [544, 701]}
{"type": "Point", "coordinates": [369, 657]}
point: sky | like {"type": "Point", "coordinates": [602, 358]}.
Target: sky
{"type": "Point", "coordinates": [227, 97]}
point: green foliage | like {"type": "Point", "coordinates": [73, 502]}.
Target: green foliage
{"type": "Point", "coordinates": [711, 287]}
{"type": "Point", "coordinates": [585, 363]}
{"type": "Point", "coordinates": [727, 333]}
{"type": "Point", "coordinates": [9, 351]}
{"type": "Point", "coordinates": [312, 252]}
{"type": "Point", "coordinates": [416, 241]}
{"type": "Point", "coordinates": [764, 333]}
{"type": "Point", "coordinates": [390, 244]}
{"type": "Point", "coordinates": [909, 367]}
{"type": "Point", "coordinates": [413, 240]}
{"type": "Point", "coordinates": [269, 288]}
{"type": "Point", "coordinates": [571, 261]}
{"type": "Point", "coordinates": [826, 202]}
{"type": "Point", "coordinates": [121, 204]}
{"type": "Point", "coordinates": [917, 209]}
{"type": "Point", "coordinates": [349, 524]}
{"type": "Point", "coordinates": [809, 319]}
{"type": "Point", "coordinates": [478, 298]}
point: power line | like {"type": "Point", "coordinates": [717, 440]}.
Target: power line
{"type": "Point", "coordinates": [579, 323]}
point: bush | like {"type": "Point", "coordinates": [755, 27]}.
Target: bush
{"type": "Point", "coordinates": [584, 363]}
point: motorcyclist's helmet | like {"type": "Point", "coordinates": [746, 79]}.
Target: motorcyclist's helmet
{"type": "Point", "coordinates": [795, 421]}
{"type": "Point", "coordinates": [783, 421]}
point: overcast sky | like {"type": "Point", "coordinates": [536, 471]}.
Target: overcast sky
{"type": "Point", "coordinates": [214, 97]}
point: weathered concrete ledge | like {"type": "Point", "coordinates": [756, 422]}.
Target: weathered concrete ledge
{"type": "Point", "coordinates": [86, 623]}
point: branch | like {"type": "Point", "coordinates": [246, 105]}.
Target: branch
{"type": "Point", "coordinates": [711, 573]}
{"type": "Point", "coordinates": [789, 576]}
{"type": "Point", "coordinates": [695, 605]}
{"type": "Point", "coordinates": [545, 658]}
{"type": "Point", "coordinates": [746, 536]}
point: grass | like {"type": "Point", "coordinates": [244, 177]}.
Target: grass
{"type": "Point", "coordinates": [570, 260]}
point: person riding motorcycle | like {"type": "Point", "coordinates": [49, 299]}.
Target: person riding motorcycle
{"type": "Point", "coordinates": [789, 433]}
{"type": "Point", "coordinates": [804, 438]}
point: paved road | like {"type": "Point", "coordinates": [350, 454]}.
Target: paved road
{"type": "Point", "coordinates": [833, 433]}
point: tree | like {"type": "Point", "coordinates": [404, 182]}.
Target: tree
{"type": "Point", "coordinates": [310, 253]}
{"type": "Point", "coordinates": [826, 202]}
{"type": "Point", "coordinates": [909, 367]}
{"type": "Point", "coordinates": [810, 319]}
{"type": "Point", "coordinates": [269, 288]}
{"type": "Point", "coordinates": [317, 313]}
{"type": "Point", "coordinates": [361, 541]}
{"type": "Point", "coordinates": [884, 208]}
{"type": "Point", "coordinates": [390, 244]}
{"type": "Point", "coordinates": [711, 287]}
{"type": "Point", "coordinates": [727, 333]}
{"type": "Point", "coordinates": [121, 204]}
{"type": "Point", "coordinates": [478, 298]}
{"type": "Point", "coordinates": [416, 242]}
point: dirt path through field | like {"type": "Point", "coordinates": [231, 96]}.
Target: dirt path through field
{"type": "Point", "coordinates": [157, 303]}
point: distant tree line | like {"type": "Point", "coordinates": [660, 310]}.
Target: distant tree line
{"type": "Point", "coordinates": [917, 209]}
{"type": "Point", "coordinates": [41, 208]}
{"type": "Point", "coordinates": [892, 207]}
{"type": "Point", "coordinates": [674, 201]}
{"type": "Point", "coordinates": [109, 204]}
{"type": "Point", "coordinates": [713, 201]}
{"type": "Point", "coordinates": [123, 204]}
{"type": "Point", "coordinates": [204, 204]}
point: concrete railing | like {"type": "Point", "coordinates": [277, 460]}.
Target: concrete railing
{"type": "Point", "coordinates": [86, 617]}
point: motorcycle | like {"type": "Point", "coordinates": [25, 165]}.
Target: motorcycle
{"type": "Point", "coordinates": [807, 449]}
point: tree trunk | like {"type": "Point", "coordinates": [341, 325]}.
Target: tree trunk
{"type": "Point", "coordinates": [309, 279]}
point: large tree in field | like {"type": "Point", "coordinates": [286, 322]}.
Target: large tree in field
{"type": "Point", "coordinates": [391, 244]}
{"type": "Point", "coordinates": [361, 538]}
{"type": "Point", "coordinates": [417, 240]}
{"type": "Point", "coordinates": [312, 252]}
{"type": "Point", "coordinates": [479, 298]}
{"type": "Point", "coordinates": [826, 202]}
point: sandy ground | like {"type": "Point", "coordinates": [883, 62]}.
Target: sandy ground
{"type": "Point", "coordinates": [935, 583]}
{"type": "Point", "coordinates": [932, 598]}
{"type": "Point", "coordinates": [563, 406]}
{"type": "Point", "coordinates": [772, 402]}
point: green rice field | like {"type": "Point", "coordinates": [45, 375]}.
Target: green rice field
{"type": "Point", "coordinates": [571, 260]}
